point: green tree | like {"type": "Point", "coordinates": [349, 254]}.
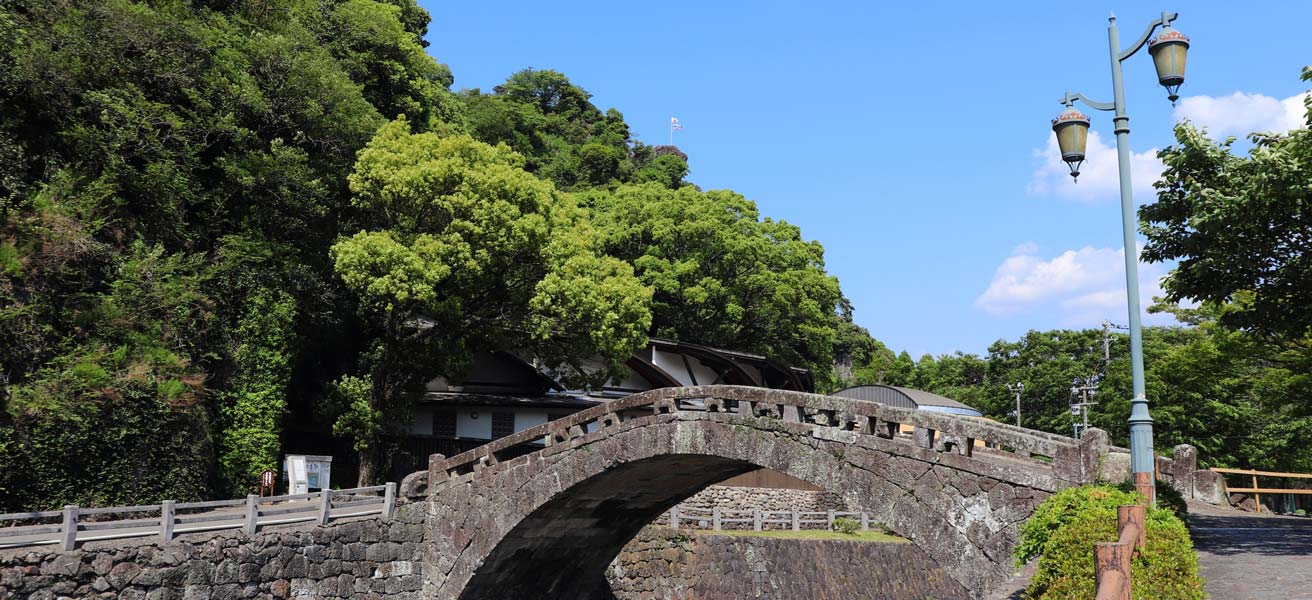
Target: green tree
{"type": "Point", "coordinates": [463, 251]}
{"type": "Point", "coordinates": [1239, 227]}
{"type": "Point", "coordinates": [722, 275]}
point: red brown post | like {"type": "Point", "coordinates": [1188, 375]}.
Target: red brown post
{"type": "Point", "coordinates": [1130, 521]}
{"type": "Point", "coordinates": [1111, 564]}
{"type": "Point", "coordinates": [1143, 483]}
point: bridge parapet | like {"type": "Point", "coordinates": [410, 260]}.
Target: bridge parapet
{"type": "Point", "coordinates": [1064, 459]}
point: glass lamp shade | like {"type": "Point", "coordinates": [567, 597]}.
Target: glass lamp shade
{"type": "Point", "coordinates": [1169, 50]}
{"type": "Point", "coordinates": [1072, 129]}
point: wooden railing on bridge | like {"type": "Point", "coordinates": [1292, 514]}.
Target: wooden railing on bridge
{"type": "Point", "coordinates": [169, 518]}
{"type": "Point", "coordinates": [1258, 491]}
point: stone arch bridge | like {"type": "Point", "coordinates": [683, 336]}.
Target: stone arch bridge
{"type": "Point", "coordinates": [541, 513]}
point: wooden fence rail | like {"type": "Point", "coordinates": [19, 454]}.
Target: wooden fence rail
{"type": "Point", "coordinates": [164, 519]}
{"type": "Point", "coordinates": [1112, 559]}
{"type": "Point", "coordinates": [1258, 491]}
{"type": "Point", "coordinates": [715, 519]}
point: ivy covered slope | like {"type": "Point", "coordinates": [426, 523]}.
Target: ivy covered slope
{"type": "Point", "coordinates": [171, 175]}
{"type": "Point", "coordinates": [218, 218]}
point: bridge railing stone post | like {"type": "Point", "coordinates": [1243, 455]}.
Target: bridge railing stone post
{"type": "Point", "coordinates": [389, 500]}
{"type": "Point", "coordinates": [69, 528]}
{"type": "Point", "coordinates": [674, 517]}
{"type": "Point", "coordinates": [166, 520]}
{"type": "Point", "coordinates": [252, 513]}
{"type": "Point", "coordinates": [829, 519]}
{"type": "Point", "coordinates": [325, 506]}
{"type": "Point", "coordinates": [756, 519]}
{"type": "Point", "coordinates": [715, 518]}
{"type": "Point", "coordinates": [797, 520]}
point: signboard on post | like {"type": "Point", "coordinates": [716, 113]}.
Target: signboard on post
{"type": "Point", "coordinates": [306, 472]}
{"type": "Point", "coordinates": [266, 483]}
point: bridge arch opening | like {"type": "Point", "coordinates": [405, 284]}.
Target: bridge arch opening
{"type": "Point", "coordinates": [562, 549]}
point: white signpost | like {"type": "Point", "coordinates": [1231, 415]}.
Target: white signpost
{"type": "Point", "coordinates": [307, 472]}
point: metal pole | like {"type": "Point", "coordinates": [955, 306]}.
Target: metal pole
{"type": "Point", "coordinates": [1141, 424]}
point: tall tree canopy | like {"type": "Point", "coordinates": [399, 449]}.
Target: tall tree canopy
{"type": "Point", "coordinates": [1239, 227]}
{"type": "Point", "coordinates": [722, 275]}
{"type": "Point", "coordinates": [463, 251]}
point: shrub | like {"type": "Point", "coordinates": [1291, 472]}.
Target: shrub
{"type": "Point", "coordinates": [1060, 509]}
{"type": "Point", "coordinates": [1167, 569]}
{"type": "Point", "coordinates": [846, 525]}
{"type": "Point", "coordinates": [1065, 528]}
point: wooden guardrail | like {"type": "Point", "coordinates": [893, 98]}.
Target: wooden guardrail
{"type": "Point", "coordinates": [715, 518]}
{"type": "Point", "coordinates": [169, 518]}
{"type": "Point", "coordinates": [1258, 491]}
{"type": "Point", "coordinates": [1112, 559]}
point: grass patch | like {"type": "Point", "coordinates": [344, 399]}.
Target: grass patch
{"type": "Point", "coordinates": [813, 534]}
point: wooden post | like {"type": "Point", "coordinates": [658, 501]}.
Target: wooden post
{"type": "Point", "coordinates": [715, 518]}
{"type": "Point", "coordinates": [1132, 516]}
{"type": "Point", "coordinates": [70, 527]}
{"type": "Point", "coordinates": [865, 521]}
{"type": "Point", "coordinates": [325, 506]}
{"type": "Point", "coordinates": [1256, 496]}
{"type": "Point", "coordinates": [1111, 564]}
{"type": "Point", "coordinates": [252, 512]}
{"type": "Point", "coordinates": [797, 520]}
{"type": "Point", "coordinates": [166, 518]}
{"type": "Point", "coordinates": [831, 520]}
{"type": "Point", "coordinates": [756, 519]}
{"type": "Point", "coordinates": [674, 517]}
{"type": "Point", "coordinates": [1143, 483]}
{"type": "Point", "coordinates": [389, 500]}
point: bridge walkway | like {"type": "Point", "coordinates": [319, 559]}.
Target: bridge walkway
{"type": "Point", "coordinates": [1246, 556]}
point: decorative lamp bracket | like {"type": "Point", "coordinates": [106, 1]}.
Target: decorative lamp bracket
{"type": "Point", "coordinates": [1069, 100]}
{"type": "Point", "coordinates": [1164, 21]}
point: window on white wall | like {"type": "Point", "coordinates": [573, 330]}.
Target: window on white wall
{"type": "Point", "coordinates": [444, 424]}
{"type": "Point", "coordinates": [503, 423]}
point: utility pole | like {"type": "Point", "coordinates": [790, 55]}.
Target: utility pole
{"type": "Point", "coordinates": [1080, 405]}
{"type": "Point", "coordinates": [1016, 388]}
{"type": "Point", "coordinates": [1107, 327]}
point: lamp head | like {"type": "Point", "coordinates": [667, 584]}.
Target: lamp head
{"type": "Point", "coordinates": [1072, 130]}
{"type": "Point", "coordinates": [1169, 50]}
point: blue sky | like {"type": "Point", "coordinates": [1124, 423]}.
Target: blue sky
{"type": "Point", "coordinates": [911, 139]}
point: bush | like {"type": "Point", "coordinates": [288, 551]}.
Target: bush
{"type": "Point", "coordinates": [846, 525]}
{"type": "Point", "coordinates": [1060, 509]}
{"type": "Point", "coordinates": [1167, 569]}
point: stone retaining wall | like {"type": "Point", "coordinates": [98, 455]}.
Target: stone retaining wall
{"type": "Point", "coordinates": [365, 558]}
{"type": "Point", "coordinates": [661, 564]}
{"type": "Point", "coordinates": [754, 498]}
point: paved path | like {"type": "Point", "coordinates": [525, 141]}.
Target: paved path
{"type": "Point", "coordinates": [1244, 556]}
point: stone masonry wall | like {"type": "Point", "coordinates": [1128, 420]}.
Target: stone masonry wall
{"type": "Point", "coordinates": [748, 498]}
{"type": "Point", "coordinates": [753, 498]}
{"type": "Point", "coordinates": [663, 565]}
{"type": "Point", "coordinates": [365, 558]}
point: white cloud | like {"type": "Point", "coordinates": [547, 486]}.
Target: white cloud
{"type": "Point", "coordinates": [1240, 114]}
{"type": "Point", "coordinates": [1099, 176]}
{"type": "Point", "coordinates": [1085, 286]}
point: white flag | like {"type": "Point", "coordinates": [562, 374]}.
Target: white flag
{"type": "Point", "coordinates": [674, 124]}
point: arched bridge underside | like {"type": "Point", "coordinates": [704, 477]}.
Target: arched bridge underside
{"type": "Point", "coordinates": [547, 523]}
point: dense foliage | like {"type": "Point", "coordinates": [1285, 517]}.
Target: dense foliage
{"type": "Point", "coordinates": [1065, 528]}
{"type": "Point", "coordinates": [721, 274]}
{"type": "Point", "coordinates": [1240, 227]}
{"type": "Point", "coordinates": [224, 221]}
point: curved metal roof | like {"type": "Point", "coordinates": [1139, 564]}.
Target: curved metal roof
{"type": "Point", "coordinates": [907, 398]}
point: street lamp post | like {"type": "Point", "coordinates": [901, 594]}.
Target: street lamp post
{"type": "Point", "coordinates": [1168, 50]}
